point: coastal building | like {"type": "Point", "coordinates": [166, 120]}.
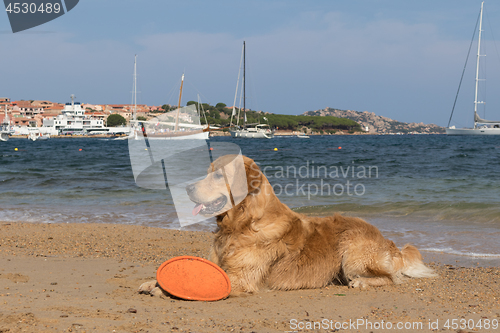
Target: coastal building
{"type": "Point", "coordinates": [2, 117]}
{"type": "Point", "coordinates": [55, 109]}
{"type": "Point", "coordinates": [99, 115]}
{"type": "Point", "coordinates": [4, 101]}
{"type": "Point", "coordinates": [92, 107]}
{"type": "Point", "coordinates": [26, 108]}
{"type": "Point", "coordinates": [20, 121]}
{"type": "Point", "coordinates": [42, 104]}
{"type": "Point", "coordinates": [125, 114]}
{"type": "Point", "coordinates": [115, 107]}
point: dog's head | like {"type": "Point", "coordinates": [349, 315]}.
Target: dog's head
{"type": "Point", "coordinates": [230, 179]}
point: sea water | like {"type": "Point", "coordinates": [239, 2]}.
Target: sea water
{"type": "Point", "coordinates": [439, 193]}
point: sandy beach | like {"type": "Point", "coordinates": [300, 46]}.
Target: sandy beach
{"type": "Point", "coordinates": [84, 278]}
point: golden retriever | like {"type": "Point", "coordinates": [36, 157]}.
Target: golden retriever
{"type": "Point", "coordinates": [262, 244]}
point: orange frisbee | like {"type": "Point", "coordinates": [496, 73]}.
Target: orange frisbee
{"type": "Point", "coordinates": [194, 279]}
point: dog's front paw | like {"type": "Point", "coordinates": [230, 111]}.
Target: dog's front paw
{"type": "Point", "coordinates": [158, 292]}
{"type": "Point", "coordinates": [151, 288]}
{"type": "Point", "coordinates": [358, 283]}
{"type": "Point", "coordinates": [147, 287]}
{"type": "Point", "coordinates": [239, 293]}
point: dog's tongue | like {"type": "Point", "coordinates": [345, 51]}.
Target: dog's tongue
{"type": "Point", "coordinates": [197, 209]}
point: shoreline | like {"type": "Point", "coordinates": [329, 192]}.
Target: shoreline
{"type": "Point", "coordinates": [84, 277]}
{"type": "Point", "coordinates": [218, 134]}
{"type": "Point", "coordinates": [203, 234]}
{"type": "Point", "coordinates": [97, 136]}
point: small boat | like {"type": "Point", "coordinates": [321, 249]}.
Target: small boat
{"type": "Point", "coordinates": [481, 126]}
{"type": "Point", "coordinates": [4, 133]}
{"type": "Point", "coordinates": [303, 136]}
{"type": "Point", "coordinates": [34, 136]}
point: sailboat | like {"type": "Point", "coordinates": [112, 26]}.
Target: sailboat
{"type": "Point", "coordinates": [481, 126]}
{"type": "Point", "coordinates": [182, 123]}
{"type": "Point", "coordinates": [5, 129]}
{"type": "Point", "coordinates": [257, 130]}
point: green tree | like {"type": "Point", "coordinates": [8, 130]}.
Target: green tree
{"type": "Point", "coordinates": [142, 118]}
{"type": "Point", "coordinates": [220, 106]}
{"type": "Point", "coordinates": [115, 120]}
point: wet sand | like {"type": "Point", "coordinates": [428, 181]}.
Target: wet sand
{"type": "Point", "coordinates": [84, 278]}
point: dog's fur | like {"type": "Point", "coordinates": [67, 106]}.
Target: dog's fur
{"type": "Point", "coordinates": [262, 244]}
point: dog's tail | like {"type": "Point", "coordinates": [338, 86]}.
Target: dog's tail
{"type": "Point", "coordinates": [413, 265]}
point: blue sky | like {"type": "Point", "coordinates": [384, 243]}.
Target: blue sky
{"type": "Point", "coordinates": [399, 59]}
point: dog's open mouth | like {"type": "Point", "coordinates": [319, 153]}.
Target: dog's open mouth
{"type": "Point", "coordinates": [208, 208]}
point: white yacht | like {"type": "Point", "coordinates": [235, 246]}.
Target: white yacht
{"type": "Point", "coordinates": [73, 120]}
{"type": "Point", "coordinates": [259, 131]}
{"type": "Point", "coordinates": [481, 126]}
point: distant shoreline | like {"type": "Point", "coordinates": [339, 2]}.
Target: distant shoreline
{"type": "Point", "coordinates": [100, 136]}
{"type": "Point", "coordinates": [213, 134]}
{"type": "Point", "coordinates": [292, 133]}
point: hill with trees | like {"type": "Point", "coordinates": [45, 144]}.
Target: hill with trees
{"type": "Point", "coordinates": [220, 115]}
{"type": "Point", "coordinates": [378, 124]}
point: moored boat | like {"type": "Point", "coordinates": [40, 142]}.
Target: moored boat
{"type": "Point", "coordinates": [481, 126]}
{"type": "Point", "coordinates": [5, 128]}
{"type": "Point", "coordinates": [249, 131]}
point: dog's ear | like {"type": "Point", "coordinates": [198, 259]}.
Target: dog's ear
{"type": "Point", "coordinates": [254, 175]}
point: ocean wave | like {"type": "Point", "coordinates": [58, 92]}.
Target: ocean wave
{"type": "Point", "coordinates": [431, 211]}
{"type": "Point", "coordinates": [449, 250]}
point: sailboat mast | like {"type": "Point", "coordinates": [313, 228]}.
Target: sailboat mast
{"type": "Point", "coordinates": [236, 93]}
{"type": "Point", "coordinates": [477, 63]}
{"type": "Point", "coordinates": [244, 96]}
{"type": "Point", "coordinates": [179, 106]}
{"type": "Point", "coordinates": [135, 90]}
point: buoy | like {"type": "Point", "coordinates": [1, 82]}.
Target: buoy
{"type": "Point", "coordinates": [340, 147]}
{"type": "Point", "coordinates": [80, 149]}
{"type": "Point", "coordinates": [211, 148]}
{"type": "Point", "coordinates": [15, 149]}
{"type": "Point", "coordinates": [275, 149]}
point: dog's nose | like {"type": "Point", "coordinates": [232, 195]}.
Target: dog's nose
{"type": "Point", "coordinates": [190, 188]}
